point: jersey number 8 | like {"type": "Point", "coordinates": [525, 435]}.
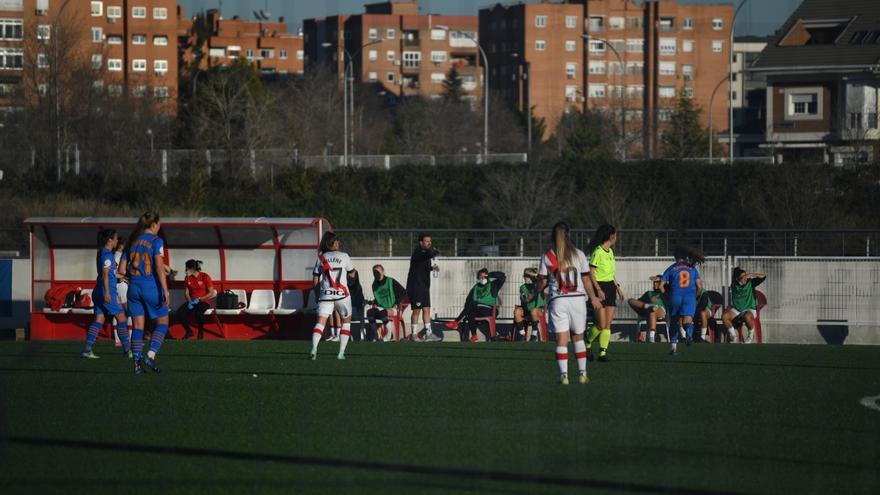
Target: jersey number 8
{"type": "Point", "coordinates": [684, 279]}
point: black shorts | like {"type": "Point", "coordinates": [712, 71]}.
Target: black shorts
{"type": "Point", "coordinates": [419, 297]}
{"type": "Point", "coordinates": [704, 303]}
{"type": "Point", "coordinates": [610, 290]}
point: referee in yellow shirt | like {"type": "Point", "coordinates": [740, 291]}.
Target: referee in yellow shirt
{"type": "Point", "coordinates": [602, 269]}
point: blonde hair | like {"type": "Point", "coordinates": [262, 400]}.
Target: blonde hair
{"type": "Point", "coordinates": [566, 252]}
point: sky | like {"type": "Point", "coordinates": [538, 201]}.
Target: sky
{"type": "Point", "coordinates": [759, 17]}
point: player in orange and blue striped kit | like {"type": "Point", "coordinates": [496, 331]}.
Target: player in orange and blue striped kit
{"type": "Point", "coordinates": [681, 282]}
{"type": "Point", "coordinates": [105, 296]}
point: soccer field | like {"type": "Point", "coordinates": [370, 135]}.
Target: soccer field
{"type": "Point", "coordinates": [248, 417]}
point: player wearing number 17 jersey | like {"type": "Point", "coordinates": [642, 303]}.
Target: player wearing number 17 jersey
{"type": "Point", "coordinates": [566, 270]}
{"type": "Point", "coordinates": [681, 282]}
{"type": "Point", "coordinates": [330, 279]}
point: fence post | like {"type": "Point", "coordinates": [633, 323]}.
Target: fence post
{"type": "Point", "coordinates": [455, 246]}
{"type": "Point", "coordinates": [164, 154]}
{"type": "Point", "coordinates": [522, 248]}
{"type": "Point", "coordinates": [76, 159]}
{"type": "Point", "coordinates": [868, 246]}
{"type": "Point", "coordinates": [795, 245]}
{"type": "Point", "coordinates": [387, 162]}
{"type": "Point", "coordinates": [390, 247]}
{"type": "Point", "coordinates": [208, 158]}
{"type": "Point", "coordinates": [253, 162]}
{"type": "Point", "coordinates": [656, 246]}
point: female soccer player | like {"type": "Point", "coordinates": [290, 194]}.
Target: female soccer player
{"type": "Point", "coordinates": [105, 297]}
{"type": "Point", "coordinates": [602, 268]}
{"type": "Point", "coordinates": [530, 311]}
{"type": "Point", "coordinates": [330, 280]}
{"type": "Point", "coordinates": [121, 286]}
{"type": "Point", "coordinates": [744, 304]}
{"type": "Point", "coordinates": [566, 270]}
{"type": "Point", "coordinates": [651, 307]}
{"type": "Point", "coordinates": [148, 289]}
{"type": "Point", "coordinates": [681, 282]}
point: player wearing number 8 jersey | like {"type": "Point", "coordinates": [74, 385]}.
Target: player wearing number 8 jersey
{"type": "Point", "coordinates": [330, 279]}
{"type": "Point", "coordinates": [681, 282]}
{"type": "Point", "coordinates": [566, 270]}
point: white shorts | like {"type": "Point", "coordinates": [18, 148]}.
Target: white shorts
{"type": "Point", "coordinates": [122, 291]}
{"type": "Point", "coordinates": [754, 312]}
{"type": "Point", "coordinates": [569, 313]}
{"type": "Point", "coordinates": [326, 308]}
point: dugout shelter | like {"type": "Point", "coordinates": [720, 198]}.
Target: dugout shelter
{"type": "Point", "coordinates": [268, 262]}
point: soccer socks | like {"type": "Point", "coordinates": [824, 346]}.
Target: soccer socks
{"type": "Point", "coordinates": [704, 334]}
{"type": "Point", "coordinates": [594, 332]}
{"type": "Point", "coordinates": [344, 335]}
{"type": "Point", "coordinates": [673, 333]}
{"type": "Point", "coordinates": [689, 331]}
{"type": "Point", "coordinates": [562, 360]}
{"type": "Point", "coordinates": [92, 336]}
{"type": "Point", "coordinates": [652, 334]}
{"type": "Point", "coordinates": [137, 342]}
{"type": "Point", "coordinates": [156, 340]}
{"type": "Point", "coordinates": [731, 332]}
{"type": "Point", "coordinates": [604, 340]}
{"type": "Point", "coordinates": [317, 334]}
{"type": "Point", "coordinates": [122, 333]}
{"type": "Point", "coordinates": [580, 352]}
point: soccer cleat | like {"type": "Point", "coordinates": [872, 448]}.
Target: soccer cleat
{"type": "Point", "coordinates": [415, 337]}
{"type": "Point", "coordinates": [117, 344]}
{"type": "Point", "coordinates": [452, 325]}
{"type": "Point", "coordinates": [151, 363]}
{"type": "Point", "coordinates": [138, 369]}
{"type": "Point", "coordinates": [474, 338]}
{"type": "Point", "coordinates": [673, 353]}
{"type": "Point", "coordinates": [563, 380]}
{"type": "Point", "coordinates": [340, 356]}
{"type": "Point", "coordinates": [127, 353]}
{"type": "Point", "coordinates": [582, 379]}
{"type": "Point", "coordinates": [432, 337]}
{"type": "Point", "coordinates": [90, 355]}
{"type": "Point", "coordinates": [689, 341]}
{"type": "Point", "coordinates": [313, 355]}
{"type": "Point", "coordinates": [603, 358]}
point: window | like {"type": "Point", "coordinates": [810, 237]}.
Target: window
{"type": "Point", "coordinates": [114, 65]}
{"type": "Point", "coordinates": [42, 61]}
{"type": "Point", "coordinates": [615, 68]}
{"type": "Point", "coordinates": [635, 45]}
{"type": "Point", "coordinates": [667, 24]}
{"type": "Point", "coordinates": [635, 91]}
{"type": "Point", "coordinates": [633, 22]}
{"type": "Point", "coordinates": [43, 89]}
{"type": "Point", "coordinates": [597, 67]}
{"type": "Point", "coordinates": [160, 92]}
{"type": "Point", "coordinates": [114, 40]}
{"type": "Point", "coordinates": [571, 46]}
{"type": "Point", "coordinates": [373, 55]}
{"type": "Point", "coordinates": [438, 34]}
{"type": "Point", "coordinates": [160, 40]}
{"type": "Point", "coordinates": [668, 46]}
{"type": "Point", "coordinates": [597, 46]}
{"type": "Point", "coordinates": [688, 23]}
{"type": "Point", "coordinates": [139, 39]}
{"type": "Point", "coordinates": [372, 77]}
{"type": "Point", "coordinates": [139, 12]}
{"type": "Point", "coordinates": [688, 72]}
{"type": "Point", "coordinates": [540, 21]}
{"type": "Point", "coordinates": [114, 12]}
{"type": "Point", "coordinates": [139, 65]}
{"type": "Point", "coordinates": [616, 23]}
{"type": "Point", "coordinates": [689, 92]}
{"type": "Point", "coordinates": [667, 68]}
{"type": "Point", "coordinates": [97, 61]}
{"type": "Point", "coordinates": [665, 114]}
{"type": "Point", "coordinates": [571, 70]}
{"type": "Point", "coordinates": [98, 85]}
{"type": "Point", "coordinates": [97, 9]}
{"type": "Point", "coordinates": [114, 90]}
{"type": "Point", "coordinates": [44, 32]}
{"type": "Point", "coordinates": [687, 46]}
{"type": "Point", "coordinates": [11, 29]}
{"type": "Point", "coordinates": [667, 91]}
{"type": "Point", "coordinates": [540, 45]}
{"type": "Point", "coordinates": [803, 104]}
{"type": "Point", "coordinates": [139, 91]}
{"type": "Point", "coordinates": [438, 78]}
{"type": "Point", "coordinates": [282, 53]}
{"type": "Point", "coordinates": [412, 60]}
{"type": "Point", "coordinates": [597, 91]}
{"type": "Point", "coordinates": [717, 24]}
{"type": "Point", "coordinates": [718, 46]}
{"type": "Point", "coordinates": [619, 45]}
{"type": "Point", "coordinates": [267, 53]}
{"type": "Point", "coordinates": [571, 93]}
{"type": "Point", "coordinates": [390, 55]}
{"type": "Point", "coordinates": [160, 66]}
{"type": "Point", "coordinates": [11, 58]}
{"type": "Point", "coordinates": [218, 52]}
{"type": "Point", "coordinates": [249, 53]}
{"type": "Point", "coordinates": [597, 23]}
{"type": "Point", "coordinates": [160, 13]}
{"type": "Point", "coordinates": [635, 68]}
{"type": "Point", "coordinates": [373, 34]}
{"type": "Point", "coordinates": [390, 33]}
{"type": "Point", "coordinates": [571, 22]}
{"type": "Point", "coordinates": [97, 35]}
{"type": "Point", "coordinates": [390, 77]}
{"type": "Point", "coordinates": [733, 95]}
{"type": "Point", "coordinates": [438, 57]}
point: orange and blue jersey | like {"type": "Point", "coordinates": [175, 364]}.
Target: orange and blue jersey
{"type": "Point", "coordinates": [681, 279]}
{"type": "Point", "coordinates": [106, 259]}
{"type": "Point", "coordinates": [141, 256]}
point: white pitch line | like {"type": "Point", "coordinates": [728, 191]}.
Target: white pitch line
{"type": "Point", "coordinates": [871, 402]}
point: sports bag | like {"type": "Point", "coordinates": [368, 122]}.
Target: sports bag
{"type": "Point", "coordinates": [227, 300]}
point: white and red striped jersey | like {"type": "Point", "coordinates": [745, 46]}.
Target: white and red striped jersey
{"type": "Point", "coordinates": [568, 282]}
{"type": "Point", "coordinates": [333, 268]}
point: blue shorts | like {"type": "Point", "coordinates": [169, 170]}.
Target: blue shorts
{"type": "Point", "coordinates": [682, 305]}
{"type": "Point", "coordinates": [107, 306]}
{"type": "Point", "coordinates": [146, 300]}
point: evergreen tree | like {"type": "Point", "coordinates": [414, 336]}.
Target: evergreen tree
{"type": "Point", "coordinates": [453, 86]}
{"type": "Point", "coordinates": [584, 136]}
{"type": "Point", "coordinates": [684, 136]}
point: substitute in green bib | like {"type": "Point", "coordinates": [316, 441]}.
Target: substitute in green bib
{"type": "Point", "coordinates": [652, 308]}
{"type": "Point", "coordinates": [743, 303]}
{"type": "Point", "coordinates": [527, 316]}
{"type": "Point", "coordinates": [602, 275]}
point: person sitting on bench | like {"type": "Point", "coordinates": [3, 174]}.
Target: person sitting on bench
{"type": "Point", "coordinates": [199, 290]}
{"type": "Point", "coordinates": [479, 303]}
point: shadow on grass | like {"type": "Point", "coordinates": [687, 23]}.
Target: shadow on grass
{"type": "Point", "coordinates": [458, 474]}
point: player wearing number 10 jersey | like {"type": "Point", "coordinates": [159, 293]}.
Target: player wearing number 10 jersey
{"type": "Point", "coordinates": [330, 279]}
{"type": "Point", "coordinates": [566, 270]}
{"type": "Point", "coordinates": [681, 282]}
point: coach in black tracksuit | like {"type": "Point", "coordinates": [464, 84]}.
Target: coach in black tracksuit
{"type": "Point", "coordinates": [418, 287]}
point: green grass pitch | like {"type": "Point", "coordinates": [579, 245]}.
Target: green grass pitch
{"type": "Point", "coordinates": [439, 418]}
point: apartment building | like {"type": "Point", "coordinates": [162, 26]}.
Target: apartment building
{"type": "Point", "coordinates": [130, 46]}
{"type": "Point", "coordinates": [823, 83]}
{"type": "Point", "coordinates": [394, 46]}
{"type": "Point", "coordinates": [265, 44]}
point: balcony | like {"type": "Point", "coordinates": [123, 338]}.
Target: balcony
{"type": "Point", "coordinates": [666, 25]}
{"type": "Point", "coordinates": [411, 39]}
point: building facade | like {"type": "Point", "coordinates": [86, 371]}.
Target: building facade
{"type": "Point", "coordinates": [823, 83]}
{"type": "Point", "coordinates": [393, 46]}
{"type": "Point", "coordinates": [749, 97]}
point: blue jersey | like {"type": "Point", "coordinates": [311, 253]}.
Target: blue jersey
{"type": "Point", "coordinates": [681, 279]}
{"type": "Point", "coordinates": [141, 256]}
{"type": "Point", "coordinates": [104, 260]}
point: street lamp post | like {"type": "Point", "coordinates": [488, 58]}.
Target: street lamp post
{"type": "Point", "coordinates": [345, 97]}
{"type": "Point", "coordinates": [588, 37]}
{"type": "Point", "coordinates": [730, 77]}
{"type": "Point", "coordinates": [485, 88]}
{"type": "Point", "coordinates": [711, 131]}
{"type": "Point", "coordinates": [349, 79]}
{"type": "Point", "coordinates": [526, 76]}
{"type": "Point", "coordinates": [57, 36]}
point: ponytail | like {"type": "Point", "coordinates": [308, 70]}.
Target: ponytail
{"type": "Point", "coordinates": [566, 252]}
{"type": "Point", "coordinates": [143, 223]}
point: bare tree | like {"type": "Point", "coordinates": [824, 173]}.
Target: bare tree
{"type": "Point", "coordinates": [529, 195]}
